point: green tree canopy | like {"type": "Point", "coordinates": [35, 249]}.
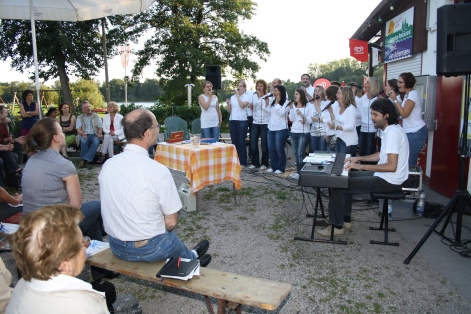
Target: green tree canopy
{"type": "Point", "coordinates": [88, 90]}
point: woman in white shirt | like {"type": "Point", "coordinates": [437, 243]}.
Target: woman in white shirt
{"type": "Point", "coordinates": [299, 114]}
{"type": "Point", "coordinates": [411, 111]}
{"type": "Point", "coordinates": [344, 118]}
{"type": "Point", "coordinates": [211, 117]}
{"type": "Point", "coordinates": [238, 124]}
{"type": "Point", "coordinates": [112, 131]}
{"type": "Point", "coordinates": [367, 130]}
{"type": "Point", "coordinates": [278, 130]}
{"type": "Point", "coordinates": [318, 117]}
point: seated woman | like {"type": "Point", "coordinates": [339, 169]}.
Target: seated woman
{"type": "Point", "coordinates": [49, 178]}
{"type": "Point", "coordinates": [52, 112]}
{"type": "Point", "coordinates": [49, 252]}
{"type": "Point", "coordinates": [67, 122]}
{"type": "Point", "coordinates": [112, 131]}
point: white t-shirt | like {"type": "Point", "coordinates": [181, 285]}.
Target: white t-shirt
{"type": "Point", "coordinates": [261, 112]}
{"type": "Point", "coordinates": [136, 192]}
{"type": "Point", "coordinates": [238, 113]}
{"type": "Point", "coordinates": [209, 117]}
{"type": "Point", "coordinates": [347, 121]}
{"type": "Point", "coordinates": [414, 121]}
{"type": "Point", "coordinates": [298, 126]}
{"type": "Point", "coordinates": [278, 117]}
{"type": "Point", "coordinates": [394, 141]}
{"type": "Point", "coordinates": [249, 94]}
{"type": "Point", "coordinates": [367, 125]}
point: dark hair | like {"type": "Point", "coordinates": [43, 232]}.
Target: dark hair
{"type": "Point", "coordinates": [50, 110]}
{"type": "Point", "coordinates": [307, 76]}
{"type": "Point", "coordinates": [135, 129]}
{"type": "Point", "coordinates": [282, 90]}
{"type": "Point", "coordinates": [2, 107]}
{"type": "Point", "coordinates": [386, 107]}
{"type": "Point", "coordinates": [352, 84]}
{"type": "Point", "coordinates": [303, 98]}
{"type": "Point", "coordinates": [331, 92]}
{"type": "Point", "coordinates": [409, 79]}
{"type": "Point", "coordinates": [25, 93]}
{"type": "Point", "coordinates": [393, 84]}
{"type": "Point", "coordinates": [265, 85]}
{"type": "Point", "coordinates": [335, 83]}
{"type": "Point", "coordinates": [40, 135]}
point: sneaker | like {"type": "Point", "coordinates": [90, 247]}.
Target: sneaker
{"type": "Point", "coordinates": [294, 176]}
{"type": "Point", "coordinates": [270, 170]}
{"type": "Point", "coordinates": [205, 260]}
{"type": "Point", "coordinates": [347, 226]}
{"type": "Point", "coordinates": [263, 167]}
{"type": "Point", "coordinates": [252, 167]}
{"type": "Point", "coordinates": [326, 232]}
{"type": "Point", "coordinates": [278, 172]}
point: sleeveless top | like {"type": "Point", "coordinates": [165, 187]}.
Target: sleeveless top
{"type": "Point", "coordinates": [28, 122]}
{"type": "Point", "coordinates": [65, 124]}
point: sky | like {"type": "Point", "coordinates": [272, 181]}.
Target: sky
{"type": "Point", "coordinates": [298, 33]}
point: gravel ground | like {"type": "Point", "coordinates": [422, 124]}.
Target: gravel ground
{"type": "Point", "coordinates": [255, 238]}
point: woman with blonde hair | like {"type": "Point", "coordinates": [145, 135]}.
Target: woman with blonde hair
{"type": "Point", "coordinates": [319, 117]}
{"type": "Point", "coordinates": [112, 131]}
{"type": "Point", "coordinates": [367, 130]}
{"type": "Point", "coordinates": [211, 117]}
{"type": "Point", "coordinates": [344, 118]}
{"type": "Point", "coordinates": [50, 252]}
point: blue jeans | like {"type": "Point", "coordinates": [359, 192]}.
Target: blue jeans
{"type": "Point", "coordinates": [88, 147]}
{"type": "Point", "coordinates": [238, 131]}
{"type": "Point", "coordinates": [318, 143]}
{"type": "Point", "coordinates": [367, 143]}
{"type": "Point", "coordinates": [210, 132]}
{"type": "Point", "coordinates": [299, 142]}
{"type": "Point", "coordinates": [341, 147]}
{"type": "Point", "coordinates": [276, 148]}
{"type": "Point", "coordinates": [160, 247]}
{"type": "Point", "coordinates": [259, 131]}
{"type": "Point", "coordinates": [416, 142]}
{"type": "Point", "coordinates": [90, 225]}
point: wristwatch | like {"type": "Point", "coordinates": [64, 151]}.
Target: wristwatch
{"type": "Point", "coordinates": [395, 101]}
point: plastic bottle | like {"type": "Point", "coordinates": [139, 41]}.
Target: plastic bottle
{"type": "Point", "coordinates": [421, 204]}
{"type": "Point", "coordinates": [390, 208]}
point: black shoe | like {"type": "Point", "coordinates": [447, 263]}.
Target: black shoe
{"type": "Point", "coordinates": [100, 273]}
{"type": "Point", "coordinates": [201, 248]}
{"type": "Point", "coordinates": [205, 260]}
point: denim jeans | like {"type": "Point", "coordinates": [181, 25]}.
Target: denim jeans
{"type": "Point", "coordinates": [160, 247]}
{"type": "Point", "coordinates": [90, 225]}
{"type": "Point", "coordinates": [299, 142]}
{"type": "Point", "coordinates": [367, 143]}
{"type": "Point", "coordinates": [210, 132]}
{"type": "Point", "coordinates": [88, 147]}
{"type": "Point", "coordinates": [341, 147]}
{"type": "Point", "coordinates": [318, 143]}
{"type": "Point", "coordinates": [259, 131]}
{"type": "Point", "coordinates": [238, 131]}
{"type": "Point", "coordinates": [276, 148]}
{"type": "Point", "coordinates": [416, 142]}
{"type": "Point", "coordinates": [249, 124]}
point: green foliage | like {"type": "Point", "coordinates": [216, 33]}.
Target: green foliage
{"type": "Point", "coordinates": [149, 90]}
{"type": "Point", "coordinates": [190, 34]}
{"type": "Point", "coordinates": [88, 90]}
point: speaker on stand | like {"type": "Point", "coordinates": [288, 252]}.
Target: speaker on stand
{"type": "Point", "coordinates": [213, 74]}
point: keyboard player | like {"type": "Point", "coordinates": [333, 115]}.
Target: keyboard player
{"type": "Point", "coordinates": [387, 175]}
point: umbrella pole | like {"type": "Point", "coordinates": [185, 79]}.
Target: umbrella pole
{"type": "Point", "coordinates": [35, 57]}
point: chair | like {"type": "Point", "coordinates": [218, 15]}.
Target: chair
{"type": "Point", "coordinates": [384, 215]}
{"type": "Point", "coordinates": [174, 124]}
{"type": "Point", "coordinates": [196, 126]}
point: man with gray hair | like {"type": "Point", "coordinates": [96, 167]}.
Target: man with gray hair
{"type": "Point", "coordinates": [89, 131]}
{"type": "Point", "coordinates": [139, 199]}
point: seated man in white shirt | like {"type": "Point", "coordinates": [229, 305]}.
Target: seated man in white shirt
{"type": "Point", "coordinates": [139, 199]}
{"type": "Point", "coordinates": [391, 170]}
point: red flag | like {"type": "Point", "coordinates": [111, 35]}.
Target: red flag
{"type": "Point", "coordinates": [359, 49]}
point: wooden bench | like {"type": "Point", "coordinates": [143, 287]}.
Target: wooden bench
{"type": "Point", "coordinates": [231, 290]}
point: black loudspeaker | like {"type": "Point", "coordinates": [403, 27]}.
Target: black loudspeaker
{"type": "Point", "coordinates": [213, 74]}
{"type": "Point", "coordinates": [454, 39]}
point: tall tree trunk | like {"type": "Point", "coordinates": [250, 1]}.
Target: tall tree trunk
{"type": "Point", "coordinates": [64, 79]}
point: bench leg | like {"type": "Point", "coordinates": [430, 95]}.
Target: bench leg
{"type": "Point", "coordinates": [385, 220]}
{"type": "Point", "coordinates": [208, 304]}
{"type": "Point", "coordinates": [223, 305]}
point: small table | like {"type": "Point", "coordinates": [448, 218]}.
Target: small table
{"type": "Point", "coordinates": [208, 164]}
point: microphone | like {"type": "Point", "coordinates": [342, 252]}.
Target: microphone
{"type": "Point", "coordinates": [328, 106]}
{"type": "Point", "coordinates": [317, 97]}
{"type": "Point", "coordinates": [268, 95]}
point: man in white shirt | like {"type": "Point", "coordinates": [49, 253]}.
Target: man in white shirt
{"type": "Point", "coordinates": [391, 170]}
{"type": "Point", "coordinates": [307, 86]}
{"type": "Point", "coordinates": [139, 200]}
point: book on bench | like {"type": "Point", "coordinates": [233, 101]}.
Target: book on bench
{"type": "Point", "coordinates": [185, 271]}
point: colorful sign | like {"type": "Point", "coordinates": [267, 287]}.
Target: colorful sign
{"type": "Point", "coordinates": [322, 81]}
{"type": "Point", "coordinates": [399, 34]}
{"type": "Point", "coordinates": [359, 49]}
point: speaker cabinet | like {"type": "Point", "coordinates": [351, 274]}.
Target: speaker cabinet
{"type": "Point", "coordinates": [213, 74]}
{"type": "Point", "coordinates": [454, 39]}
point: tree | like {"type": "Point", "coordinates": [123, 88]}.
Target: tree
{"type": "Point", "coordinates": [190, 34]}
{"type": "Point", "coordinates": [346, 69]}
{"type": "Point", "coordinates": [63, 48]}
{"type": "Point", "coordinates": [88, 90]}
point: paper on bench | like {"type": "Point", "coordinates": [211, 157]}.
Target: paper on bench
{"type": "Point", "coordinates": [8, 228]}
{"type": "Point", "coordinates": [96, 247]}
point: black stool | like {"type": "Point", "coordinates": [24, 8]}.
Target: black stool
{"type": "Point", "coordinates": [384, 215]}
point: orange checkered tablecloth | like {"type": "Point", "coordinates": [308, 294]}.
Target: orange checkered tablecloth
{"type": "Point", "coordinates": [205, 165]}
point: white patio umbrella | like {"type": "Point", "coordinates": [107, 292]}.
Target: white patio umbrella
{"type": "Point", "coordinates": [65, 10]}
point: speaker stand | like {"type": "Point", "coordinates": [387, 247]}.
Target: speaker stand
{"type": "Point", "coordinates": [461, 197]}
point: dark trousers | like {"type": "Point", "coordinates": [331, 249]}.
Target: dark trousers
{"type": "Point", "coordinates": [250, 122]}
{"type": "Point", "coordinates": [10, 165]}
{"type": "Point", "coordinates": [259, 131]}
{"type": "Point", "coordinates": [360, 182]}
{"type": "Point", "coordinates": [367, 143]}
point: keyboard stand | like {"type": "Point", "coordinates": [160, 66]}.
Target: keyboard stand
{"type": "Point", "coordinates": [315, 223]}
